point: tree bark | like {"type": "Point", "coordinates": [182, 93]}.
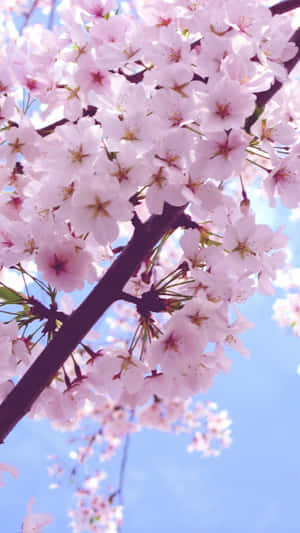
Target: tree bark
{"type": "Point", "coordinates": [109, 289]}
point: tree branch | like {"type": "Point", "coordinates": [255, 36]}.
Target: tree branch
{"type": "Point", "coordinates": [51, 15]}
{"type": "Point", "coordinates": [90, 111]}
{"type": "Point", "coordinates": [263, 97]}
{"type": "Point", "coordinates": [28, 15]}
{"type": "Point", "coordinates": [109, 289]}
{"type": "Point", "coordinates": [284, 7]}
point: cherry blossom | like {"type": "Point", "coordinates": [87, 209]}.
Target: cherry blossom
{"type": "Point", "coordinates": [8, 468]}
{"type": "Point", "coordinates": [133, 142]}
{"type": "Point", "coordinates": [284, 179]}
{"type": "Point", "coordinates": [35, 522]}
{"type": "Point", "coordinates": [222, 153]}
{"type": "Point", "coordinates": [225, 106]}
{"type": "Point", "coordinates": [65, 265]}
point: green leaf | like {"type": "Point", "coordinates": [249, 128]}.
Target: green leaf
{"type": "Point", "coordinates": [10, 296]}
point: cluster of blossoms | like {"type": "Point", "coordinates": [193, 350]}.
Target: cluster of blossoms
{"type": "Point", "coordinates": [33, 522]}
{"type": "Point", "coordinates": [287, 310]}
{"type": "Point", "coordinates": [97, 511]}
{"type": "Point", "coordinates": [107, 124]}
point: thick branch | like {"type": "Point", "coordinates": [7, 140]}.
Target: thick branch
{"type": "Point", "coordinates": [263, 97]}
{"type": "Point", "coordinates": [74, 329]}
{"type": "Point", "coordinates": [284, 7]}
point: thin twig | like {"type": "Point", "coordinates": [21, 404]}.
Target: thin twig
{"type": "Point", "coordinates": [129, 298]}
{"type": "Point", "coordinates": [51, 15]}
{"type": "Point", "coordinates": [28, 15]}
{"type": "Point", "coordinates": [90, 111]}
{"type": "Point", "coordinates": [123, 466]}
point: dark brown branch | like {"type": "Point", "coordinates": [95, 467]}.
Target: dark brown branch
{"type": "Point", "coordinates": [42, 312]}
{"type": "Point", "coordinates": [129, 298]}
{"type": "Point", "coordinates": [284, 7]}
{"type": "Point", "coordinates": [148, 302]}
{"type": "Point", "coordinates": [263, 97]}
{"type": "Point", "coordinates": [137, 77]}
{"type": "Point", "coordinates": [74, 329]}
{"type": "Point", "coordinates": [90, 111]}
{"type": "Point", "coordinates": [46, 130]}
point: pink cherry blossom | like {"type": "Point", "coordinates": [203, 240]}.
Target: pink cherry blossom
{"type": "Point", "coordinates": [225, 105]}
{"type": "Point", "coordinates": [97, 8]}
{"type": "Point", "coordinates": [65, 265]}
{"type": "Point", "coordinates": [35, 522]}
{"type": "Point", "coordinates": [222, 153]}
{"type": "Point", "coordinates": [91, 75]}
{"type": "Point", "coordinates": [285, 180]}
{"type": "Point", "coordinates": [98, 209]}
{"type": "Point", "coordinates": [13, 471]}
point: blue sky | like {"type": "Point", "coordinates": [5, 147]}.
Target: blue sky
{"type": "Point", "coordinates": [253, 487]}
